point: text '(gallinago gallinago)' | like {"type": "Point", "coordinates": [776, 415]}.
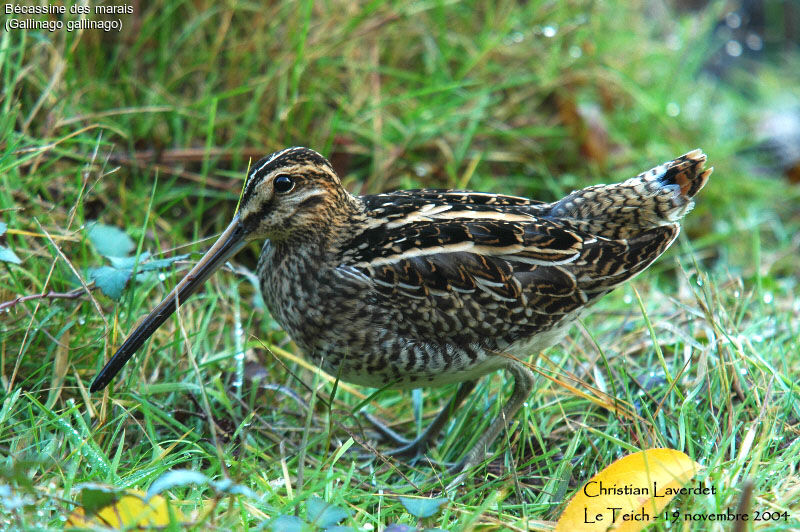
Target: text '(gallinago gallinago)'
{"type": "Point", "coordinates": [426, 287]}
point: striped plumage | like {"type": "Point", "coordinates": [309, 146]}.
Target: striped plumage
{"type": "Point", "coordinates": [427, 287]}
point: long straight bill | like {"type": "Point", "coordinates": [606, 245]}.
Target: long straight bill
{"type": "Point", "coordinates": [230, 241]}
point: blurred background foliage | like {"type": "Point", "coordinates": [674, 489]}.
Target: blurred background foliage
{"type": "Point", "coordinates": [529, 98]}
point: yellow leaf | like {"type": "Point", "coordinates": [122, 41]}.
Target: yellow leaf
{"type": "Point", "coordinates": [131, 511]}
{"type": "Point", "coordinates": [630, 494]}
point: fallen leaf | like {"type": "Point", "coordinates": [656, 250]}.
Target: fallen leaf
{"type": "Point", "coordinates": [111, 281]}
{"type": "Point", "coordinates": [8, 255]}
{"type": "Point", "coordinates": [629, 494]}
{"type": "Point", "coordinates": [423, 507]}
{"type": "Point", "coordinates": [323, 514]}
{"type": "Point", "coordinates": [109, 240]}
{"type": "Point", "coordinates": [131, 510]}
{"type": "Point", "coordinates": [286, 523]}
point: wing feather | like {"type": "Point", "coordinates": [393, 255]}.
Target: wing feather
{"type": "Point", "coordinates": [505, 275]}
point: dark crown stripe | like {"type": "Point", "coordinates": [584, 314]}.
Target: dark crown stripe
{"type": "Point", "coordinates": [298, 155]}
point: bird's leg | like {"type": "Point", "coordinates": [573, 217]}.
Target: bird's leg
{"type": "Point", "coordinates": [417, 447]}
{"type": "Point", "coordinates": [523, 384]}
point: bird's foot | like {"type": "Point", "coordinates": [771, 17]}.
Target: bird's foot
{"type": "Point", "coordinates": [410, 450]}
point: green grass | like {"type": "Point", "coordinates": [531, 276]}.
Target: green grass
{"type": "Point", "coordinates": [532, 98]}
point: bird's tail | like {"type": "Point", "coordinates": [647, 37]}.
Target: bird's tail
{"type": "Point", "coordinates": [661, 196]}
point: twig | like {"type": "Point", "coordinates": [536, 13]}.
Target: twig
{"type": "Point", "coordinates": [72, 294]}
{"type": "Point", "coordinates": [74, 271]}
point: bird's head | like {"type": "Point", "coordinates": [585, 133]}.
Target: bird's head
{"type": "Point", "coordinates": [293, 194]}
{"type": "Point", "coordinates": [290, 194]}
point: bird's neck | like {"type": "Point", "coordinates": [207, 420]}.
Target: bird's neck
{"type": "Point", "coordinates": [320, 242]}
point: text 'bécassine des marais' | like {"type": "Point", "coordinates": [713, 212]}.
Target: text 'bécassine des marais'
{"type": "Point", "coordinates": [75, 9]}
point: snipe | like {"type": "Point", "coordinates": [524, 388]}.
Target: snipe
{"type": "Point", "coordinates": [427, 287]}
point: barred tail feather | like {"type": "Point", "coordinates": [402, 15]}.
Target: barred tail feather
{"type": "Point", "coordinates": [660, 196]}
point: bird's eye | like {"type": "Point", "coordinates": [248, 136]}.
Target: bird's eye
{"type": "Point", "coordinates": [283, 184]}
